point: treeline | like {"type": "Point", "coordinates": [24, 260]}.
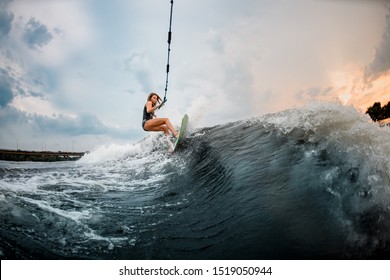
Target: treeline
{"type": "Point", "coordinates": [377, 112]}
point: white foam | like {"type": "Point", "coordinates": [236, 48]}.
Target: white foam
{"type": "Point", "coordinates": [110, 152]}
{"type": "Point", "coordinates": [335, 126]}
{"type": "Point", "coordinates": [72, 215]}
{"type": "Point", "coordinates": [154, 145]}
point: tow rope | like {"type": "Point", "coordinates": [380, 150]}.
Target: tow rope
{"type": "Point", "coordinates": [169, 51]}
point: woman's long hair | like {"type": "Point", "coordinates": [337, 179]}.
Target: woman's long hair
{"type": "Point", "coordinates": [159, 100]}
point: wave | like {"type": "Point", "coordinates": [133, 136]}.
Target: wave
{"type": "Point", "coordinates": [304, 183]}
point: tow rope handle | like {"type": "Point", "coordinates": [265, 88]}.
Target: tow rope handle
{"type": "Point", "coordinates": [162, 103]}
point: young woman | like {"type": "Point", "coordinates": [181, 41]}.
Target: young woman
{"type": "Point", "coordinates": [150, 122]}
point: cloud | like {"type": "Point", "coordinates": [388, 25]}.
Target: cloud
{"type": "Point", "coordinates": [79, 125]}
{"type": "Point", "coordinates": [6, 19]}
{"type": "Point", "coordinates": [32, 130]}
{"type": "Point", "coordinates": [6, 94]}
{"type": "Point", "coordinates": [362, 86]}
{"type": "Point", "coordinates": [36, 34]}
{"type": "Point", "coordinates": [10, 116]}
{"type": "Point", "coordinates": [315, 93]}
{"type": "Point", "coordinates": [381, 62]}
{"type": "Point", "coordinates": [138, 64]}
{"type": "Point", "coordinates": [15, 121]}
{"type": "Point", "coordinates": [229, 61]}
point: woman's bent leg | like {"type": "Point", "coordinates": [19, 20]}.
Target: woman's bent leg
{"type": "Point", "coordinates": [170, 127]}
{"type": "Point", "coordinates": [160, 124]}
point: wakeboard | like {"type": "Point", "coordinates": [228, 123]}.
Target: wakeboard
{"type": "Point", "coordinates": [183, 128]}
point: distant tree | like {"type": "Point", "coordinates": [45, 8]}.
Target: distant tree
{"type": "Point", "coordinates": [377, 113]}
{"type": "Point", "coordinates": [386, 111]}
{"type": "Point", "coordinates": [374, 111]}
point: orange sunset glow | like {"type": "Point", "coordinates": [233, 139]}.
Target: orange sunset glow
{"type": "Point", "coordinates": [356, 89]}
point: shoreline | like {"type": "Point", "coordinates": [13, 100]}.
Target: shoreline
{"type": "Point", "coordinates": [24, 155]}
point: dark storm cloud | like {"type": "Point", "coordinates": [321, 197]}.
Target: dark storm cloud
{"type": "Point", "coordinates": [80, 125]}
{"type": "Point", "coordinates": [10, 116]}
{"type": "Point", "coordinates": [6, 19]}
{"type": "Point", "coordinates": [6, 93]}
{"type": "Point", "coordinates": [36, 34]}
{"type": "Point", "coordinates": [381, 62]}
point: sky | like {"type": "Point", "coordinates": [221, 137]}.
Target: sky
{"type": "Point", "coordinates": [75, 74]}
